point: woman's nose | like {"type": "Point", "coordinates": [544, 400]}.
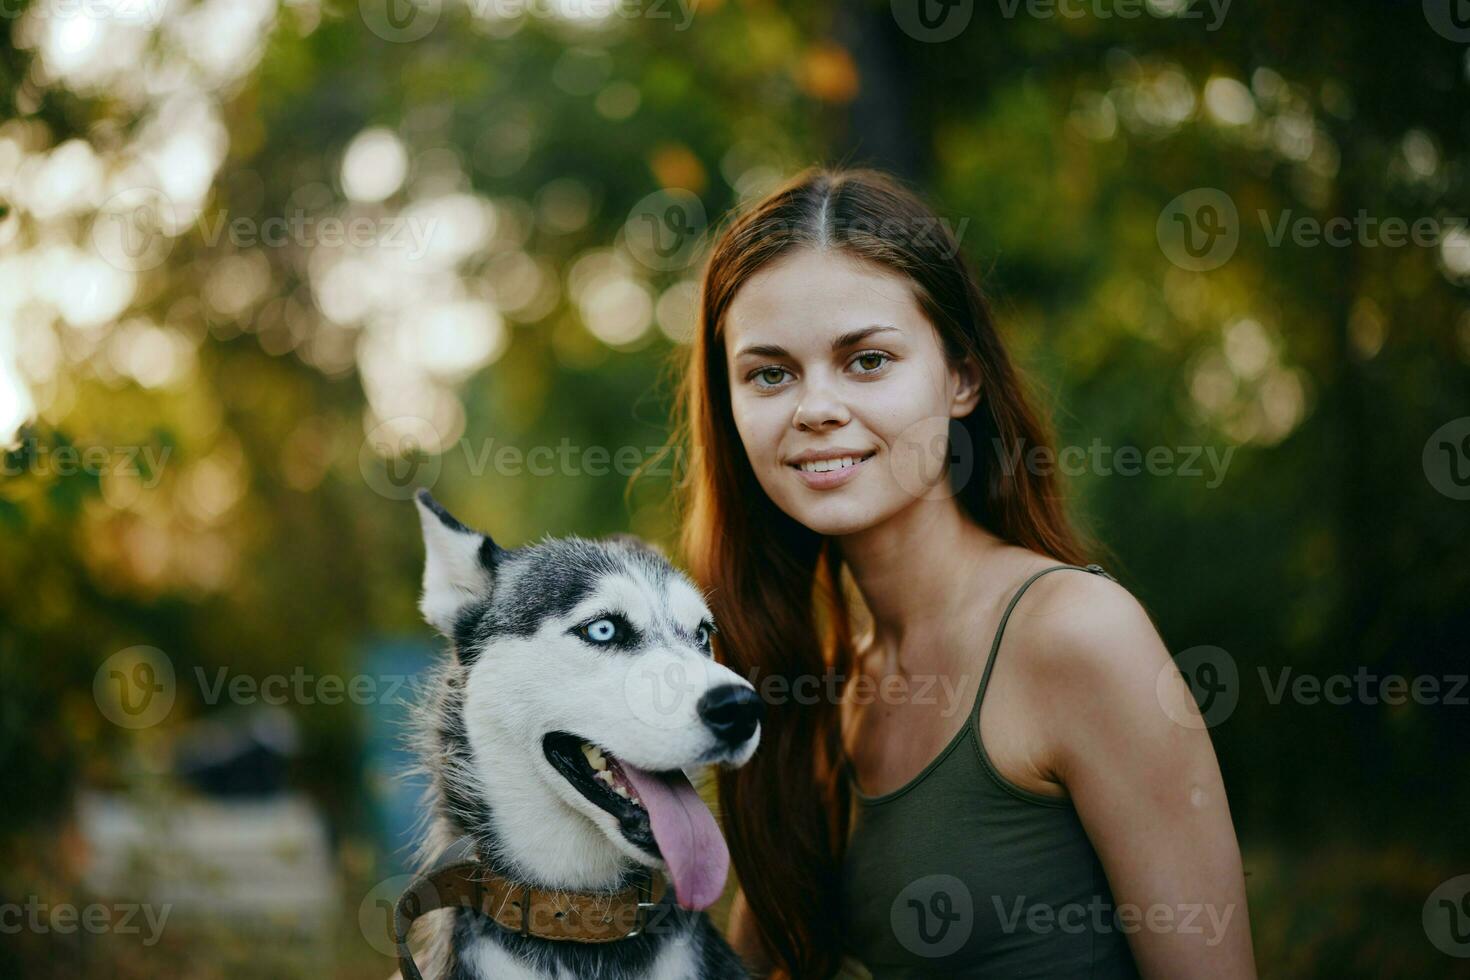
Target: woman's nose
{"type": "Point", "coordinates": [819, 409]}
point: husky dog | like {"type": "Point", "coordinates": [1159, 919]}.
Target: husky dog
{"type": "Point", "coordinates": [581, 688]}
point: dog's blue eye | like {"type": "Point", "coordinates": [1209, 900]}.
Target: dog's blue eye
{"type": "Point", "coordinates": [703, 635]}
{"type": "Point", "coordinates": [609, 630]}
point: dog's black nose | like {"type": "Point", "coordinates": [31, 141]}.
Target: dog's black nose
{"type": "Point", "coordinates": [731, 712]}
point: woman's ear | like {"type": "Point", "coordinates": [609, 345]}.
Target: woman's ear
{"type": "Point", "coordinates": [966, 376]}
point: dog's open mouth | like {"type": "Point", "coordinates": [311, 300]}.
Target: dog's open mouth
{"type": "Point", "coordinates": [658, 812]}
{"type": "Point", "coordinates": [602, 780]}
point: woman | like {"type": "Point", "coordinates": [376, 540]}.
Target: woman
{"type": "Point", "coordinates": [854, 418]}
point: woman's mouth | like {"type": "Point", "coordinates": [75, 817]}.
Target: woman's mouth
{"type": "Point", "coordinates": [830, 472]}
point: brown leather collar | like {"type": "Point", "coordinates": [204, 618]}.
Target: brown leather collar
{"type": "Point", "coordinates": [541, 913]}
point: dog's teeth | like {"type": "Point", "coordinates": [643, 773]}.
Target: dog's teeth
{"type": "Point", "coordinates": [603, 773]}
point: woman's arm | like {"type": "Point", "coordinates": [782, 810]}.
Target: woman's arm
{"type": "Point", "coordinates": [1147, 788]}
{"type": "Point", "coordinates": [745, 939]}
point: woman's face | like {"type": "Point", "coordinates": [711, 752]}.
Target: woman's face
{"type": "Point", "coordinates": [840, 390]}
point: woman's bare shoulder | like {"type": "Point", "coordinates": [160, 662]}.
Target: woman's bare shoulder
{"type": "Point", "coordinates": [1087, 630]}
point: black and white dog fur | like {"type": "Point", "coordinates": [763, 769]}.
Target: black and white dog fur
{"type": "Point", "coordinates": [573, 657]}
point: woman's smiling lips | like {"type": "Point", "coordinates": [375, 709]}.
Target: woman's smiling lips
{"type": "Point", "coordinates": [829, 468]}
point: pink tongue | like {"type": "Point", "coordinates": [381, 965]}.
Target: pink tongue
{"type": "Point", "coordinates": [686, 833]}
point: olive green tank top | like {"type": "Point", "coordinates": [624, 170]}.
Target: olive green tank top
{"type": "Point", "coordinates": [960, 873]}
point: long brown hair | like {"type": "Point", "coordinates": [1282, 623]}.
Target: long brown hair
{"type": "Point", "coordinates": [775, 585]}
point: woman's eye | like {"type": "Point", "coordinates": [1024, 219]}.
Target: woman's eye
{"type": "Point", "coordinates": [601, 631]}
{"type": "Point", "coordinates": [870, 361]}
{"type": "Point", "coordinates": [769, 377]}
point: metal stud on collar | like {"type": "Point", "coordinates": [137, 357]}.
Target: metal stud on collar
{"type": "Point", "coordinates": [645, 902]}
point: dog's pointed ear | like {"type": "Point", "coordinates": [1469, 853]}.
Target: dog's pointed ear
{"type": "Point", "coordinates": [459, 565]}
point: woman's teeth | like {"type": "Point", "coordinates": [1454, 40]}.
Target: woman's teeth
{"type": "Point", "coordinates": [825, 465]}
{"type": "Point", "coordinates": [603, 773]}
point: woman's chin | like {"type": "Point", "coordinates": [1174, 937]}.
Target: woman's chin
{"type": "Point", "coordinates": [837, 517]}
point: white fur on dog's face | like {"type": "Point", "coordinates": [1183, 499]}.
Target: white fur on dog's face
{"type": "Point", "coordinates": [639, 706]}
{"type": "Point", "coordinates": [515, 618]}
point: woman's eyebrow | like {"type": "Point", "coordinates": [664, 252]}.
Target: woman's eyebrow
{"type": "Point", "coordinates": [838, 343]}
{"type": "Point", "coordinates": [761, 350]}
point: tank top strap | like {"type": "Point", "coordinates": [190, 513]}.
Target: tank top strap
{"type": "Point", "coordinates": [1005, 618]}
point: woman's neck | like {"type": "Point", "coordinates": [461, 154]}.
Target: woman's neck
{"type": "Point", "coordinates": [915, 570]}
